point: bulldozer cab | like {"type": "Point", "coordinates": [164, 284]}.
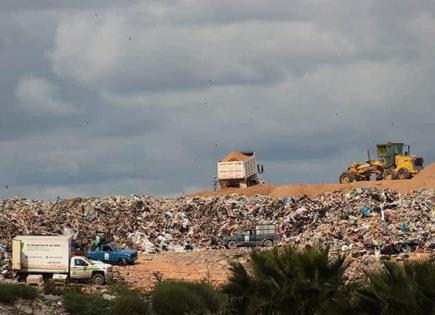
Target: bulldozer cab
{"type": "Point", "coordinates": [388, 151]}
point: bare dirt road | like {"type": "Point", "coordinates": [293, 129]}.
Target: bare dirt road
{"type": "Point", "coordinates": [211, 266]}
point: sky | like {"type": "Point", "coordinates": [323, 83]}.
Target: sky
{"type": "Point", "coordinates": [143, 97]}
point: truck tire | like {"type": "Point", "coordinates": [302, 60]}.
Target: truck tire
{"type": "Point", "coordinates": [232, 244]}
{"type": "Point", "coordinates": [390, 175]}
{"type": "Point", "coordinates": [98, 279]}
{"type": "Point", "coordinates": [122, 261]}
{"type": "Point", "coordinates": [379, 173]}
{"type": "Point", "coordinates": [267, 243]}
{"type": "Point", "coordinates": [403, 173]}
{"type": "Point", "coordinates": [346, 178]}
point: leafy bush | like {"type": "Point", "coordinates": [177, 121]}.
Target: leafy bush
{"type": "Point", "coordinates": [81, 304]}
{"type": "Point", "coordinates": [9, 292]}
{"type": "Point", "coordinates": [179, 298]}
{"type": "Point", "coordinates": [130, 302]}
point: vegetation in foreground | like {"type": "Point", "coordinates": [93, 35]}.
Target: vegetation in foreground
{"type": "Point", "coordinates": [273, 282]}
{"type": "Point", "coordinates": [10, 292]}
{"type": "Point", "coordinates": [311, 282]}
{"type": "Point", "coordinates": [179, 298]}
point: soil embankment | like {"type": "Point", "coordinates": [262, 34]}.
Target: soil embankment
{"type": "Point", "coordinates": [424, 180]}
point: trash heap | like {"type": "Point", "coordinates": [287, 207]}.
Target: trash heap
{"type": "Point", "coordinates": [358, 223]}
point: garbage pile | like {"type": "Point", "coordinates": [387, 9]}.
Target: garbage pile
{"type": "Point", "coordinates": [358, 223]}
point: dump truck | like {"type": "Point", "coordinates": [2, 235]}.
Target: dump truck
{"type": "Point", "coordinates": [393, 162]}
{"type": "Point", "coordinates": [52, 255]}
{"type": "Point", "coordinates": [239, 170]}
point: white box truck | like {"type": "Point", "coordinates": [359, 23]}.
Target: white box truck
{"type": "Point", "coordinates": [239, 169]}
{"type": "Point", "coordinates": [34, 254]}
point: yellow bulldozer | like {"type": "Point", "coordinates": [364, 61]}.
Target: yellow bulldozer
{"type": "Point", "coordinates": [392, 163]}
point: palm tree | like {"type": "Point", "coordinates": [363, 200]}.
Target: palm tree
{"type": "Point", "coordinates": [287, 281]}
{"type": "Point", "coordinates": [398, 288]}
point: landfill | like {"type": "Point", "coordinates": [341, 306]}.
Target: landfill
{"type": "Point", "coordinates": [361, 222]}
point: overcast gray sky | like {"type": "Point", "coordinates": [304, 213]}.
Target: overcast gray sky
{"type": "Point", "coordinates": [143, 97]}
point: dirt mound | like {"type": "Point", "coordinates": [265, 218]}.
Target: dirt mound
{"type": "Point", "coordinates": [235, 156]}
{"type": "Point", "coordinates": [427, 174]}
{"type": "Point", "coordinates": [424, 180]}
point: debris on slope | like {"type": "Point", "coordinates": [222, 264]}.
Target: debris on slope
{"type": "Point", "coordinates": [360, 222]}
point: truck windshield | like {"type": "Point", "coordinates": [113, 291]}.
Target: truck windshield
{"type": "Point", "coordinates": [88, 261]}
{"type": "Point", "coordinates": [114, 247]}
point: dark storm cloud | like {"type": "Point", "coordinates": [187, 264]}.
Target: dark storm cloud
{"type": "Point", "coordinates": [42, 5]}
{"type": "Point", "coordinates": [144, 97]}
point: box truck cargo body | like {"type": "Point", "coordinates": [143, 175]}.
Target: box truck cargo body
{"type": "Point", "coordinates": [41, 254]}
{"type": "Point", "coordinates": [33, 254]}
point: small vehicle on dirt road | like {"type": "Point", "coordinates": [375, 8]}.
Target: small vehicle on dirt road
{"type": "Point", "coordinates": [262, 235]}
{"type": "Point", "coordinates": [110, 253]}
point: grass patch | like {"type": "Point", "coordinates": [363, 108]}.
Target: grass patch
{"type": "Point", "coordinates": [10, 292]}
{"type": "Point", "coordinates": [50, 287]}
{"type": "Point", "coordinates": [77, 303]}
{"type": "Point", "coordinates": [179, 298]}
{"type": "Point", "coordinates": [130, 302]}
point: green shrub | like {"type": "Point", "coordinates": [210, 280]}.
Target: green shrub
{"type": "Point", "coordinates": [179, 298]}
{"type": "Point", "coordinates": [209, 295]}
{"type": "Point", "coordinates": [81, 304]}
{"type": "Point", "coordinates": [26, 292]}
{"type": "Point", "coordinates": [7, 293]}
{"type": "Point", "coordinates": [50, 287]}
{"type": "Point", "coordinates": [10, 292]}
{"type": "Point", "coordinates": [130, 302]}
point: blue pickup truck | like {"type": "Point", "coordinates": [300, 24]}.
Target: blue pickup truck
{"type": "Point", "coordinates": [110, 253]}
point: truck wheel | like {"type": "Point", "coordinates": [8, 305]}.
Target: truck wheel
{"type": "Point", "coordinates": [390, 175]}
{"type": "Point", "coordinates": [346, 177]}
{"type": "Point", "coordinates": [379, 173]}
{"type": "Point", "coordinates": [232, 244]}
{"type": "Point", "coordinates": [122, 261]}
{"type": "Point", "coordinates": [403, 173]}
{"type": "Point", "coordinates": [267, 243]}
{"type": "Point", "coordinates": [98, 279]}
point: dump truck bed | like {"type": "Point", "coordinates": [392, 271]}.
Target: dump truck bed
{"type": "Point", "coordinates": [237, 169]}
